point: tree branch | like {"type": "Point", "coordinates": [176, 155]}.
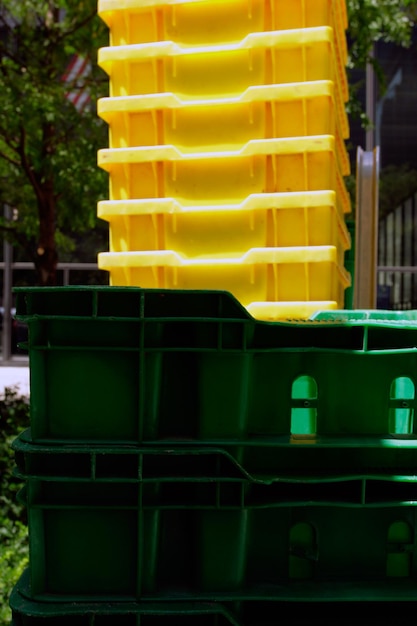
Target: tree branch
{"type": "Point", "coordinates": [9, 159]}
{"type": "Point", "coordinates": [27, 167]}
{"type": "Point", "coordinates": [76, 26]}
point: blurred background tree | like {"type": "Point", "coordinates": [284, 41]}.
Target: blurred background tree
{"type": "Point", "coordinates": [49, 129]}
{"type": "Point", "coordinates": [49, 142]}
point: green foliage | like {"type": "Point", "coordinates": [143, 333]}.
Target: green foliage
{"type": "Point", "coordinates": [48, 149]}
{"type": "Point", "coordinates": [14, 417]}
{"type": "Point", "coordinates": [371, 21]}
{"type": "Point", "coordinates": [13, 560]}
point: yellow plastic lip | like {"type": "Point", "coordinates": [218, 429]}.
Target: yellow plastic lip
{"type": "Point", "coordinates": [273, 311]}
{"type": "Point", "coordinates": [256, 147]}
{"type": "Point", "coordinates": [268, 39]}
{"type": "Point", "coordinates": [109, 107]}
{"type": "Point", "coordinates": [284, 39]}
{"type": "Point", "coordinates": [253, 202]}
{"type": "Point", "coordinates": [108, 209]}
{"type": "Point", "coordinates": [170, 258]}
{"type": "Point", "coordinates": [169, 152]}
{"type": "Point", "coordinates": [257, 93]}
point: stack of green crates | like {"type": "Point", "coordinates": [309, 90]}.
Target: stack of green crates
{"type": "Point", "coordinates": [189, 465]}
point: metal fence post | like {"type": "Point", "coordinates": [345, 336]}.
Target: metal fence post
{"type": "Point", "coordinates": [366, 248]}
{"type": "Point", "coordinates": [7, 292]}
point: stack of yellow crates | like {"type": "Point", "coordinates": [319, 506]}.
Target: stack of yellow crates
{"type": "Point", "coordinates": [226, 149]}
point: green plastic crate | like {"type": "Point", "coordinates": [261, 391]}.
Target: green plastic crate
{"type": "Point", "coordinates": [124, 534]}
{"type": "Point", "coordinates": [27, 612]}
{"type": "Point", "coordinates": [385, 612]}
{"type": "Point", "coordinates": [257, 461]}
{"type": "Point", "coordinates": [128, 365]}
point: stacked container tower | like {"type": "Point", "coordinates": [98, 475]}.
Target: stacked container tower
{"type": "Point", "coordinates": [215, 439]}
{"type": "Point", "coordinates": [226, 150]}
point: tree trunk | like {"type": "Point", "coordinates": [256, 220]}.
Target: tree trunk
{"type": "Point", "coordinates": [46, 253]}
{"type": "Point", "coordinates": [46, 259]}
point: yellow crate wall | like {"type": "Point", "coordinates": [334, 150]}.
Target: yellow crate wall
{"type": "Point", "coordinates": [265, 112]}
{"type": "Point", "coordinates": [205, 115]}
{"type": "Point", "coordinates": [266, 275]}
{"type": "Point", "coordinates": [297, 220]}
{"type": "Point", "coordinates": [218, 21]}
{"type": "Point", "coordinates": [267, 166]}
{"type": "Point", "coordinates": [220, 71]}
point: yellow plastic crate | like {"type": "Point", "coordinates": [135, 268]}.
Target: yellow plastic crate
{"type": "Point", "coordinates": [277, 57]}
{"type": "Point", "coordinates": [208, 22]}
{"type": "Point", "coordinates": [261, 276]}
{"type": "Point", "coordinates": [274, 311]}
{"type": "Point", "coordinates": [264, 112]}
{"type": "Point", "coordinates": [261, 221]}
{"type": "Point", "coordinates": [226, 177]}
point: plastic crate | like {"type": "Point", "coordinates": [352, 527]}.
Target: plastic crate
{"type": "Point", "coordinates": [27, 612]}
{"type": "Point", "coordinates": [199, 22]}
{"type": "Point", "coordinates": [276, 220]}
{"type": "Point", "coordinates": [361, 471]}
{"type": "Point", "coordinates": [313, 163]}
{"type": "Point", "coordinates": [291, 110]}
{"type": "Point", "coordinates": [223, 540]}
{"type": "Point", "coordinates": [132, 365]}
{"type": "Point", "coordinates": [262, 275]}
{"type": "Point", "coordinates": [194, 22]}
{"type": "Point", "coordinates": [266, 58]}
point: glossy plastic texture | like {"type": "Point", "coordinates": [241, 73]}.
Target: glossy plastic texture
{"type": "Point", "coordinates": [133, 365]}
{"type": "Point", "coordinates": [264, 220]}
{"type": "Point", "coordinates": [260, 166]}
{"type": "Point", "coordinates": [301, 463]}
{"type": "Point", "coordinates": [170, 538]}
{"type": "Point", "coordinates": [260, 58]}
{"type": "Point", "coordinates": [261, 275]}
{"type": "Point", "coordinates": [263, 112]}
{"type": "Point", "coordinates": [196, 22]}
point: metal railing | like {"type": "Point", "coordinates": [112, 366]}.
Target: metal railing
{"type": "Point", "coordinates": [397, 255]}
{"type": "Point", "coordinates": [7, 267]}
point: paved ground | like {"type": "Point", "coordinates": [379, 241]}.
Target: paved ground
{"type": "Point", "coordinates": [15, 375]}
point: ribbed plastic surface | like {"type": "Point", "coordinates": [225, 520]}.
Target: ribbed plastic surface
{"type": "Point", "coordinates": [210, 21]}
{"type": "Point", "coordinates": [263, 220]}
{"type": "Point", "coordinates": [218, 22]}
{"type": "Point", "coordinates": [244, 613]}
{"type": "Point", "coordinates": [264, 58]}
{"type": "Point", "coordinates": [344, 469]}
{"type": "Point", "coordinates": [126, 535]}
{"type": "Point", "coordinates": [268, 275]}
{"type": "Point", "coordinates": [132, 365]}
{"type": "Point", "coordinates": [222, 177]}
{"type": "Point", "coordinates": [266, 111]}
{"type": "Point", "coordinates": [215, 108]}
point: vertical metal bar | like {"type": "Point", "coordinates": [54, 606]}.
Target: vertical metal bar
{"type": "Point", "coordinates": [66, 276]}
{"type": "Point", "coordinates": [366, 249]}
{"type": "Point", "coordinates": [7, 292]}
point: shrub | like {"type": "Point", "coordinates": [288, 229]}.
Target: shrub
{"type": "Point", "coordinates": [14, 417]}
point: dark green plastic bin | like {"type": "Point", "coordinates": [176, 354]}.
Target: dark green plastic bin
{"type": "Point", "coordinates": [127, 365]}
{"type": "Point", "coordinates": [260, 461]}
{"type": "Point", "coordinates": [119, 530]}
{"type": "Point", "coordinates": [267, 612]}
